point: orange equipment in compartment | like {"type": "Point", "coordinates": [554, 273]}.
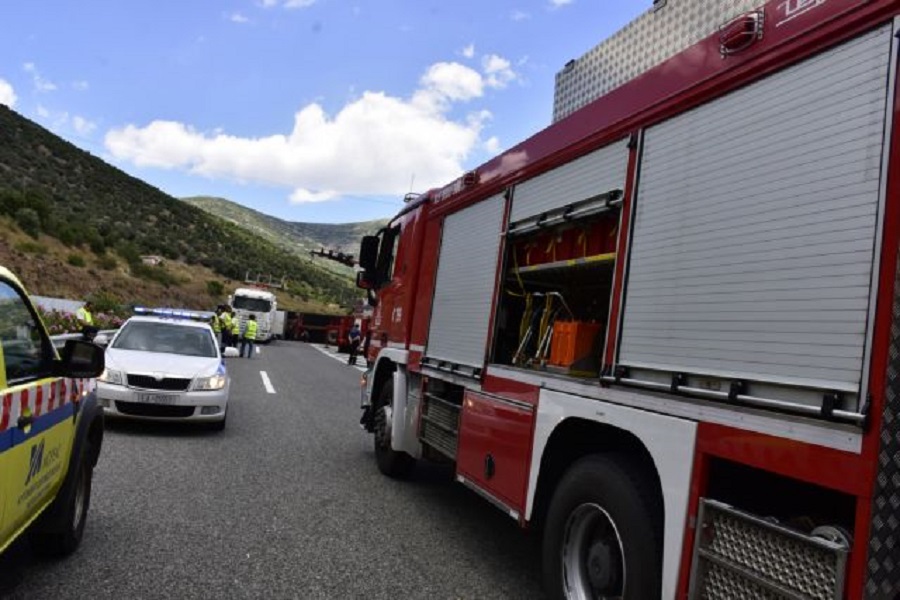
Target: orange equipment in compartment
{"type": "Point", "coordinates": [575, 346]}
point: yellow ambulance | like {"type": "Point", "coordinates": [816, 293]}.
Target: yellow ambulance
{"type": "Point", "coordinates": [51, 428]}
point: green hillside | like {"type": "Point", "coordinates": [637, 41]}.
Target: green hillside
{"type": "Point", "coordinates": [48, 186]}
{"type": "Point", "coordinates": [299, 238]}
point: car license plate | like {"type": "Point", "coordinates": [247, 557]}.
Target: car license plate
{"type": "Point", "coordinates": [157, 398]}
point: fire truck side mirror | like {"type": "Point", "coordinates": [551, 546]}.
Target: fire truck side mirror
{"type": "Point", "coordinates": [364, 280]}
{"type": "Point", "coordinates": [368, 253]}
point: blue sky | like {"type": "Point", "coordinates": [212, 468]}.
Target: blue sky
{"type": "Point", "coordinates": [309, 110]}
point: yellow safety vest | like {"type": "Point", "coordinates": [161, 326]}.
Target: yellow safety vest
{"type": "Point", "coordinates": [235, 325]}
{"type": "Point", "coordinates": [216, 323]}
{"type": "Point", "coordinates": [250, 334]}
{"type": "Point", "coordinates": [83, 315]}
{"type": "Point", "coordinates": [226, 322]}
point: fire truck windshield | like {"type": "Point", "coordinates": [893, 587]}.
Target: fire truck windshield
{"type": "Point", "coordinates": [252, 304]}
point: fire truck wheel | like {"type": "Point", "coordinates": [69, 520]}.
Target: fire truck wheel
{"type": "Point", "coordinates": [600, 539]}
{"type": "Point", "coordinates": [390, 462]}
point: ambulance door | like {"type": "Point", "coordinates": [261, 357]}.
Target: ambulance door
{"type": "Point", "coordinates": [36, 424]}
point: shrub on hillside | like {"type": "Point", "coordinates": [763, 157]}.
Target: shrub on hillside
{"type": "Point", "coordinates": [29, 247]}
{"type": "Point", "coordinates": [215, 288]}
{"type": "Point", "coordinates": [29, 221]}
{"type": "Point", "coordinates": [157, 274]}
{"type": "Point", "coordinates": [76, 260]}
{"type": "Point", "coordinates": [107, 262]}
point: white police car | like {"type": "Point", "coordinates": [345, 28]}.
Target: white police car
{"type": "Point", "coordinates": [165, 368]}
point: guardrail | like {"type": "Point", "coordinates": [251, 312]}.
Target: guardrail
{"type": "Point", "coordinates": [60, 340]}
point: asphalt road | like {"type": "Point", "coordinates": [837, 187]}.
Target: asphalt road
{"type": "Point", "coordinates": [285, 503]}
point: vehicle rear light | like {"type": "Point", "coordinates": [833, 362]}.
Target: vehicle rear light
{"type": "Point", "coordinates": [741, 33]}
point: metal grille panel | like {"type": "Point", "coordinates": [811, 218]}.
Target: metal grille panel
{"type": "Point", "coordinates": [170, 384]}
{"type": "Point", "coordinates": [883, 580]}
{"type": "Point", "coordinates": [139, 409]}
{"type": "Point", "coordinates": [644, 43]}
{"type": "Point", "coordinates": [738, 555]}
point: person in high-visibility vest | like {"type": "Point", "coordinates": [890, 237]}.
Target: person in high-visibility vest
{"type": "Point", "coordinates": [249, 336]}
{"type": "Point", "coordinates": [225, 319]}
{"type": "Point", "coordinates": [216, 324]}
{"type": "Point", "coordinates": [86, 319]}
{"type": "Point", "coordinates": [235, 329]}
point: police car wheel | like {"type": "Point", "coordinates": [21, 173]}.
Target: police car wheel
{"type": "Point", "coordinates": [218, 425]}
{"type": "Point", "coordinates": [390, 462]}
{"type": "Point", "coordinates": [65, 540]}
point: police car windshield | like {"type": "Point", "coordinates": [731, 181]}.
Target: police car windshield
{"type": "Point", "coordinates": [169, 338]}
{"type": "Point", "coordinates": [252, 304]}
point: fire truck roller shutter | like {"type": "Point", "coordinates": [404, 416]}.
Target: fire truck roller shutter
{"type": "Point", "coordinates": [585, 177]}
{"type": "Point", "coordinates": [755, 225]}
{"type": "Point", "coordinates": [467, 269]}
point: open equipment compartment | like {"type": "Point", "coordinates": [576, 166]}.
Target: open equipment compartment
{"type": "Point", "coordinates": [555, 293]}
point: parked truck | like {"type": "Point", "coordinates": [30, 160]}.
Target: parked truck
{"type": "Point", "coordinates": [666, 329]}
{"type": "Point", "coordinates": [259, 302]}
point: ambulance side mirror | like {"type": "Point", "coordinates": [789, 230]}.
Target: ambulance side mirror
{"type": "Point", "coordinates": [80, 360]}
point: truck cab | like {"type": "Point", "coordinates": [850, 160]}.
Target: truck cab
{"type": "Point", "coordinates": [391, 262]}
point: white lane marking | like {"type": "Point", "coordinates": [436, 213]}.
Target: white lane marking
{"type": "Point", "coordinates": [257, 350]}
{"type": "Point", "coordinates": [266, 382]}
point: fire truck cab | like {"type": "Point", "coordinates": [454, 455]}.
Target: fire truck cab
{"type": "Point", "coordinates": [664, 330]}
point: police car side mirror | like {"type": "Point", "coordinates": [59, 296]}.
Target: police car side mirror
{"type": "Point", "coordinates": [80, 360]}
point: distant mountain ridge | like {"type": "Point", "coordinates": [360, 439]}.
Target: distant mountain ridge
{"type": "Point", "coordinates": [293, 236]}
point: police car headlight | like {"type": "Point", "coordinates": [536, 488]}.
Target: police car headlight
{"type": "Point", "coordinates": [112, 376]}
{"type": "Point", "coordinates": [216, 382]}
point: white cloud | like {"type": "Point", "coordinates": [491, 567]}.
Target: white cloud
{"type": "Point", "coordinates": [371, 147]}
{"type": "Point", "coordinates": [40, 84]}
{"type": "Point", "coordinates": [237, 18]}
{"type": "Point", "coordinates": [492, 145]}
{"type": "Point", "coordinates": [498, 71]}
{"type": "Point", "coordinates": [42, 111]}
{"type": "Point", "coordinates": [83, 126]}
{"type": "Point", "coordinates": [80, 86]}
{"type": "Point", "coordinates": [559, 3]}
{"type": "Point", "coordinates": [520, 15]}
{"type": "Point", "coordinates": [7, 94]}
{"type": "Point", "coordinates": [469, 51]}
{"type": "Point", "coordinates": [287, 3]}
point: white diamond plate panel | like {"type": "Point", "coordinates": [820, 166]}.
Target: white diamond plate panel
{"type": "Point", "coordinates": [652, 38]}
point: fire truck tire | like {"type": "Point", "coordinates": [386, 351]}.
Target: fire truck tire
{"type": "Point", "coordinates": [600, 538]}
{"type": "Point", "coordinates": [397, 465]}
{"type": "Point", "coordinates": [65, 538]}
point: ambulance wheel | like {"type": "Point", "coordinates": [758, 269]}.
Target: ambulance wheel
{"type": "Point", "coordinates": [65, 537]}
{"type": "Point", "coordinates": [390, 462]}
{"type": "Point", "coordinates": [602, 538]}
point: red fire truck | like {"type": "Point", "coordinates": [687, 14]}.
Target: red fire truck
{"type": "Point", "coordinates": [666, 329]}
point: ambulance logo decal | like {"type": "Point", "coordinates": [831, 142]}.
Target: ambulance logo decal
{"type": "Point", "coordinates": [37, 460]}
